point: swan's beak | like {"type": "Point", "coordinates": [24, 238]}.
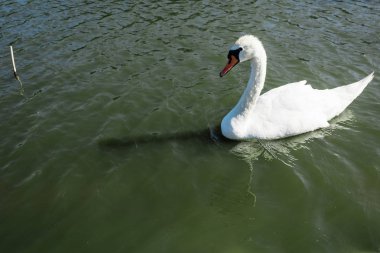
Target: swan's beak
{"type": "Point", "coordinates": [231, 63]}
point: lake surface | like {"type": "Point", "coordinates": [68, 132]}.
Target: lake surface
{"type": "Point", "coordinates": [113, 146]}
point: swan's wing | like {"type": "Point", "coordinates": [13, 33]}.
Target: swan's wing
{"type": "Point", "coordinates": [298, 97]}
{"type": "Point", "coordinates": [296, 108]}
{"type": "Point", "coordinates": [288, 110]}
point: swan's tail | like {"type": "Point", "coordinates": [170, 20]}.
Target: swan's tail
{"type": "Point", "coordinates": [355, 89]}
{"type": "Point", "coordinates": [360, 85]}
{"type": "Point", "coordinates": [346, 94]}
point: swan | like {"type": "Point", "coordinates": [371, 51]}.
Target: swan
{"type": "Point", "coordinates": [288, 110]}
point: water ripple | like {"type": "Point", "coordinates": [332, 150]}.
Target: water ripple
{"type": "Point", "coordinates": [116, 70]}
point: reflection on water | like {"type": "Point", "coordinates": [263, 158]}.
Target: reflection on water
{"type": "Point", "coordinates": [247, 150]}
{"type": "Point", "coordinates": [283, 149]}
{"type": "Point", "coordinates": [250, 151]}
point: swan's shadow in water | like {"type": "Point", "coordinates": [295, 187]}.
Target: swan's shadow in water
{"type": "Point", "coordinates": [247, 150]}
{"type": "Point", "coordinates": [211, 135]}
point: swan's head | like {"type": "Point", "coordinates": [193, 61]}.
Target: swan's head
{"type": "Point", "coordinates": [247, 47]}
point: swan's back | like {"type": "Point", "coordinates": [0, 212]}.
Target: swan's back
{"type": "Point", "coordinates": [298, 108]}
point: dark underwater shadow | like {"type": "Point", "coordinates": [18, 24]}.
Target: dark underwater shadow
{"type": "Point", "coordinates": [210, 135]}
{"type": "Point", "coordinates": [248, 150]}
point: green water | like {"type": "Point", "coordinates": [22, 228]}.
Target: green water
{"type": "Point", "coordinates": [110, 148]}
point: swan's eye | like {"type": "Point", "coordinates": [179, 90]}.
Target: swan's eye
{"type": "Point", "coordinates": [234, 52]}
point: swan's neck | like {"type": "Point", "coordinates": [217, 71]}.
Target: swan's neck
{"type": "Point", "coordinates": [255, 84]}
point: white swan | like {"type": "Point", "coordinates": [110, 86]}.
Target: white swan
{"type": "Point", "coordinates": [291, 109]}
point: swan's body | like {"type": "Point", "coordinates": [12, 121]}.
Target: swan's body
{"type": "Point", "coordinates": [285, 111]}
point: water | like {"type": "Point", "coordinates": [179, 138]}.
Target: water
{"type": "Point", "coordinates": [110, 148]}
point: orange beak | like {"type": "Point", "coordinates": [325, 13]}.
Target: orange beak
{"type": "Point", "coordinates": [232, 61]}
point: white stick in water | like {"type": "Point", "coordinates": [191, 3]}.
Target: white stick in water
{"type": "Point", "coordinates": [15, 72]}
{"type": "Point", "coordinates": [13, 61]}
